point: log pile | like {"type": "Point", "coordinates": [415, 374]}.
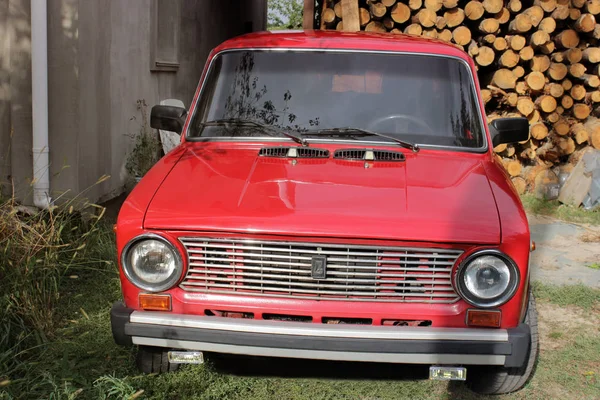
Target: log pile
{"type": "Point", "coordinates": [535, 58]}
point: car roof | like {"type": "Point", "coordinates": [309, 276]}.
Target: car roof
{"type": "Point", "coordinates": [328, 39]}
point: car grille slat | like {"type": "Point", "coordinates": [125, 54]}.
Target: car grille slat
{"type": "Point", "coordinates": [353, 272]}
{"type": "Point", "coordinates": [276, 283]}
{"type": "Point", "coordinates": [217, 267]}
{"type": "Point", "coordinates": [450, 259]}
{"type": "Point", "coordinates": [249, 261]}
{"type": "Point", "coordinates": [305, 278]}
{"type": "Point", "coordinates": [357, 275]}
{"type": "Point", "coordinates": [263, 257]}
{"type": "Point", "coordinates": [332, 292]}
{"type": "Point", "coordinates": [300, 247]}
{"type": "Point", "coordinates": [329, 267]}
{"type": "Point", "coordinates": [410, 299]}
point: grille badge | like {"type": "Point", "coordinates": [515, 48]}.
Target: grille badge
{"type": "Point", "coordinates": [318, 266]}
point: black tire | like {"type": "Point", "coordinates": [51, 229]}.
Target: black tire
{"type": "Point", "coordinates": [154, 360]}
{"type": "Point", "coordinates": [502, 380]}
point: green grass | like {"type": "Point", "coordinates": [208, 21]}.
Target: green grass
{"type": "Point", "coordinates": [555, 335]}
{"type": "Point", "coordinates": [594, 266]}
{"type": "Point", "coordinates": [568, 295]}
{"type": "Point", "coordinates": [571, 372]}
{"type": "Point", "coordinates": [554, 208]}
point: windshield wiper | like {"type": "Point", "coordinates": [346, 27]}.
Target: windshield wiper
{"type": "Point", "coordinates": [351, 132]}
{"type": "Point", "coordinates": [247, 122]}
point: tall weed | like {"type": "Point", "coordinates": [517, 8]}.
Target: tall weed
{"type": "Point", "coordinates": [38, 249]}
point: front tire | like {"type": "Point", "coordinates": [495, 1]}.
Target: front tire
{"type": "Point", "coordinates": [154, 360]}
{"type": "Point", "coordinates": [502, 380]}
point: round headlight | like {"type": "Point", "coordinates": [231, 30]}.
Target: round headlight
{"type": "Point", "coordinates": [487, 279]}
{"type": "Point", "coordinates": [151, 263]}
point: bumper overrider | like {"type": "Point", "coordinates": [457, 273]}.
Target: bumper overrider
{"type": "Point", "coordinates": [390, 344]}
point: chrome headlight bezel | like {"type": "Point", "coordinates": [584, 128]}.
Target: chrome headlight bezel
{"type": "Point", "coordinates": [168, 283]}
{"type": "Point", "coordinates": [473, 299]}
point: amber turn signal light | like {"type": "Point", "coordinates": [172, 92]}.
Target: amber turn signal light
{"type": "Point", "coordinates": [155, 302]}
{"type": "Point", "coordinates": [484, 318]}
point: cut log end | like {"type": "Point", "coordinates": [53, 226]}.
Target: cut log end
{"type": "Point", "coordinates": [400, 13]}
{"type": "Point", "coordinates": [520, 184]}
{"type": "Point", "coordinates": [485, 57]}
{"type": "Point", "coordinates": [536, 80]}
{"type": "Point", "coordinates": [504, 79]}
{"type": "Point", "coordinates": [426, 17]}
{"type": "Point", "coordinates": [513, 167]}
{"type": "Point", "coordinates": [538, 131]}
{"type": "Point", "coordinates": [546, 103]}
{"type": "Point", "coordinates": [581, 111]}
{"type": "Point", "coordinates": [474, 10]}
{"type": "Point", "coordinates": [567, 39]}
{"type": "Point", "coordinates": [461, 35]}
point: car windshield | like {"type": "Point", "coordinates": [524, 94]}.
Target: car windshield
{"type": "Point", "coordinates": [424, 99]}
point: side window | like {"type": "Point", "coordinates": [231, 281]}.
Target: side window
{"type": "Point", "coordinates": [165, 22]}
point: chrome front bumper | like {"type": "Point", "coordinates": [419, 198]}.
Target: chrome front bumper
{"type": "Point", "coordinates": [411, 345]}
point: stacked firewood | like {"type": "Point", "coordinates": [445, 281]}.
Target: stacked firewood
{"type": "Point", "coordinates": [536, 58]}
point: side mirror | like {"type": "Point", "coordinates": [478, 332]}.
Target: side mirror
{"type": "Point", "coordinates": [509, 130]}
{"type": "Point", "coordinates": [168, 118]}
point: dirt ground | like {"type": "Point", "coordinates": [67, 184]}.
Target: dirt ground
{"type": "Point", "coordinates": [566, 253]}
{"type": "Point", "coordinates": [557, 324]}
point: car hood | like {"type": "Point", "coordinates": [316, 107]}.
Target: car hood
{"type": "Point", "coordinates": [432, 196]}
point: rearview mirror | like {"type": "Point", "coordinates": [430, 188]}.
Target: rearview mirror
{"type": "Point", "coordinates": [168, 118]}
{"type": "Point", "coordinates": [509, 130]}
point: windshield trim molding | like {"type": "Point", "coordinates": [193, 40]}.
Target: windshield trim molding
{"type": "Point", "coordinates": [269, 139]}
{"type": "Point", "coordinates": [187, 137]}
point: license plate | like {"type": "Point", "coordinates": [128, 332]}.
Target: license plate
{"type": "Point", "coordinates": [186, 357]}
{"type": "Point", "coordinates": [439, 373]}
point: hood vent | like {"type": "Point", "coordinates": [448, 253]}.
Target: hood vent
{"type": "Point", "coordinates": [369, 155]}
{"type": "Point", "coordinates": [274, 151]}
{"type": "Point", "coordinates": [293, 152]}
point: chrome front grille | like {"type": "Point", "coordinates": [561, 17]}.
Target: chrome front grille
{"type": "Point", "coordinates": [353, 272]}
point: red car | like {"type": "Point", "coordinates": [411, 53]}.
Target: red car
{"type": "Point", "coordinates": [335, 196]}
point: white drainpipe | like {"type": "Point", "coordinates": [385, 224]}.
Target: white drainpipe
{"type": "Point", "coordinates": [39, 83]}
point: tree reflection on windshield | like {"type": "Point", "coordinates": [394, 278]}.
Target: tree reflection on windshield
{"type": "Point", "coordinates": [245, 100]}
{"type": "Point", "coordinates": [465, 119]}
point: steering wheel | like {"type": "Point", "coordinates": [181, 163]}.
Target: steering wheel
{"type": "Point", "coordinates": [373, 124]}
